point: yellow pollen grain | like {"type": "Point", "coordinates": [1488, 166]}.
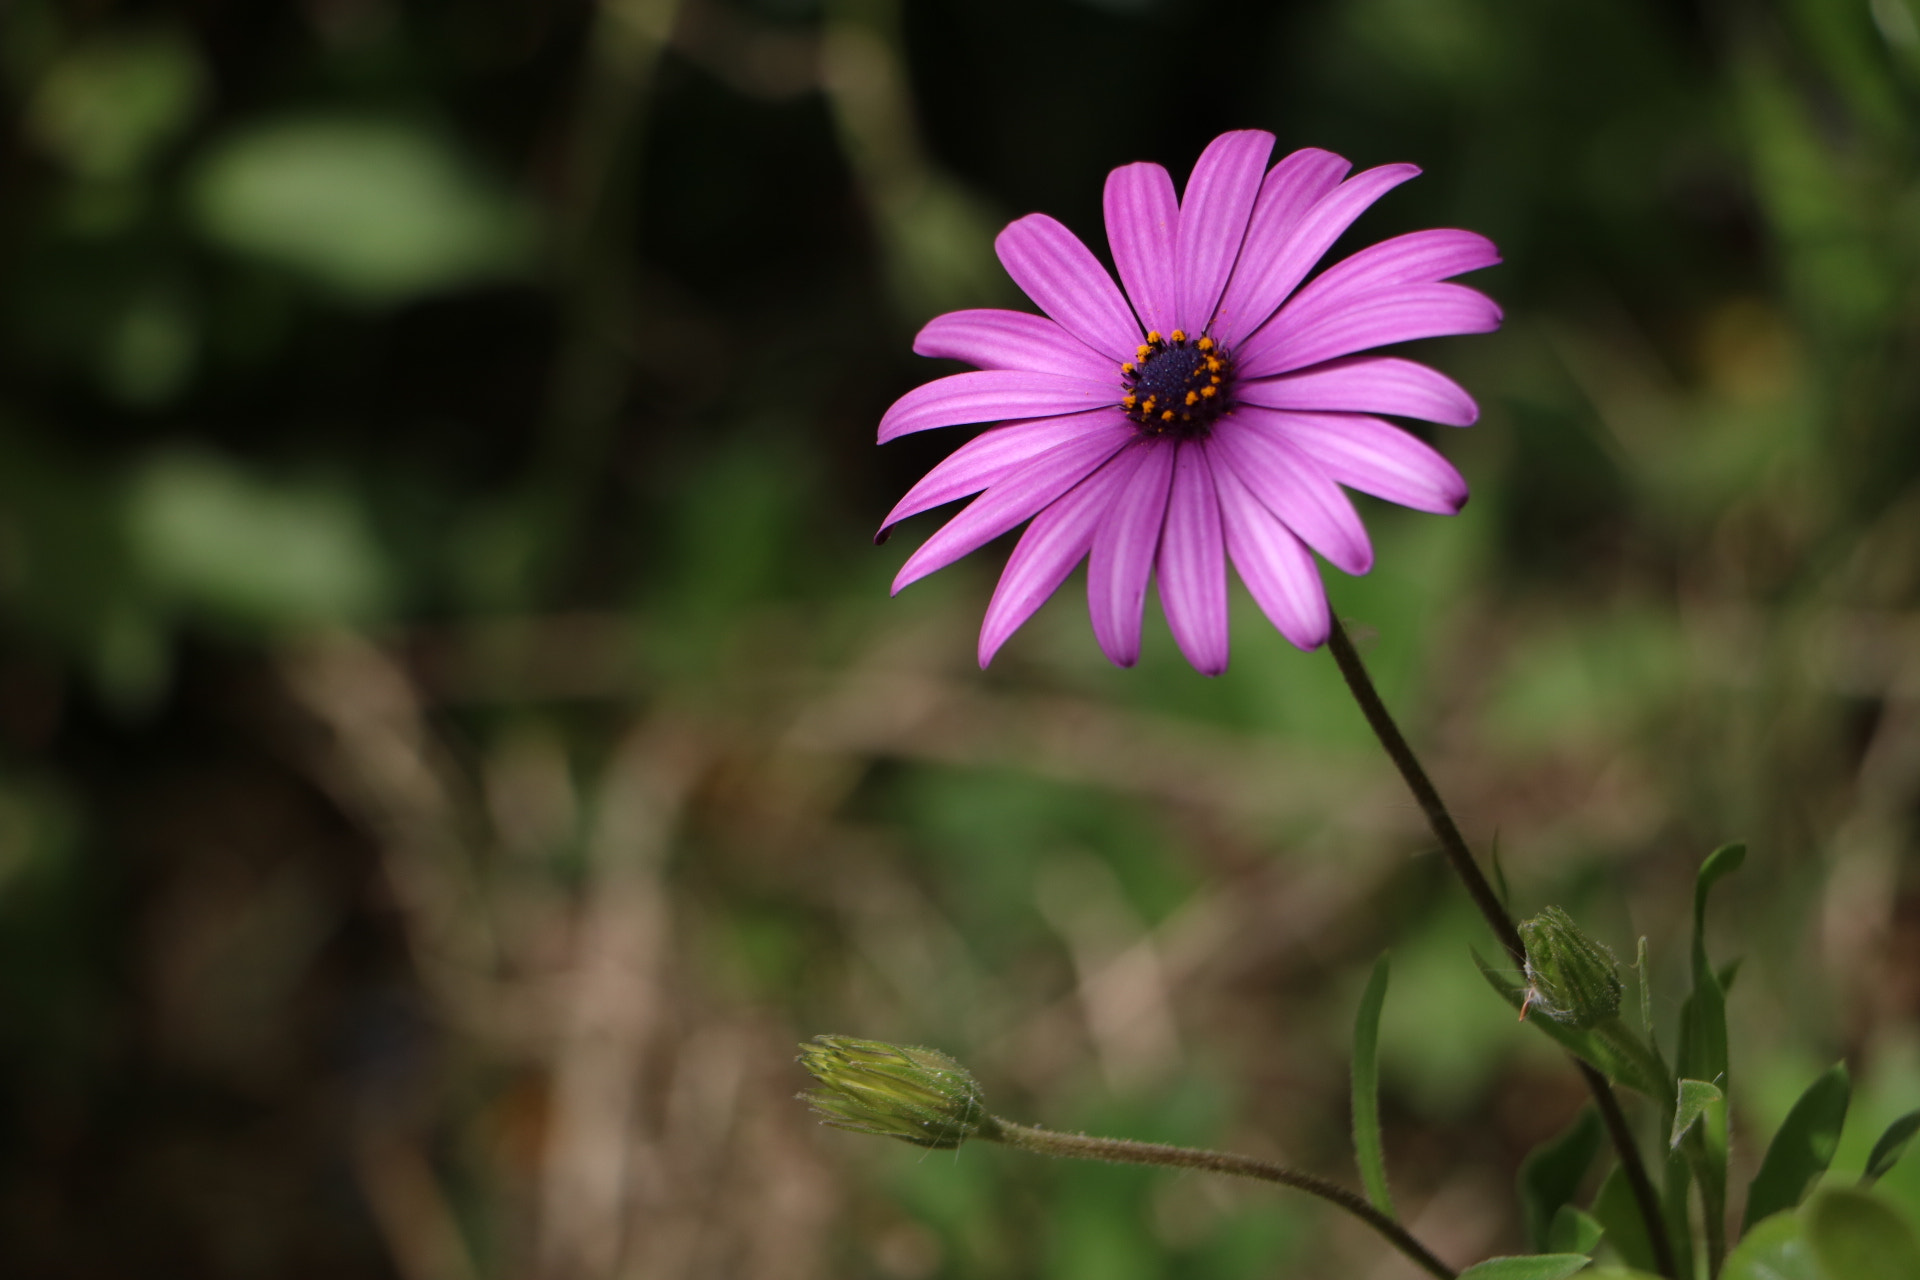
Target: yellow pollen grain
{"type": "Point", "coordinates": [1127, 368]}
{"type": "Point", "coordinates": [1209, 392]}
{"type": "Point", "coordinates": [1178, 335]}
{"type": "Point", "coordinates": [1142, 353]}
{"type": "Point", "coordinates": [1206, 344]}
{"type": "Point", "coordinates": [1153, 336]}
{"type": "Point", "coordinates": [1166, 415]}
{"type": "Point", "coordinates": [1193, 398]}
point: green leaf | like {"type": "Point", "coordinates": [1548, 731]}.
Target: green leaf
{"type": "Point", "coordinates": [1856, 1235]}
{"type": "Point", "coordinates": [1775, 1249]}
{"type": "Point", "coordinates": [1695, 1097]}
{"type": "Point", "coordinates": [1675, 1204]}
{"type": "Point", "coordinates": [1546, 1266]}
{"type": "Point", "coordinates": [1804, 1146]}
{"type": "Point", "coordinates": [1366, 1090]}
{"type": "Point", "coordinates": [1574, 1231]}
{"type": "Point", "coordinates": [1615, 1209]}
{"type": "Point", "coordinates": [1722, 862]}
{"type": "Point", "coordinates": [1702, 1054]}
{"type": "Point", "coordinates": [1646, 996]}
{"type": "Point", "coordinates": [1500, 875]}
{"type": "Point", "coordinates": [1552, 1172]}
{"type": "Point", "coordinates": [1892, 1145]}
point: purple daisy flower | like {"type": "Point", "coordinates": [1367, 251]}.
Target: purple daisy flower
{"type": "Point", "coordinates": [1211, 412]}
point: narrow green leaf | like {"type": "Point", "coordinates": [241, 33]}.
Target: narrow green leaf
{"type": "Point", "coordinates": [1614, 1208]}
{"type": "Point", "coordinates": [1776, 1249]}
{"type": "Point", "coordinates": [1675, 1205]}
{"type": "Point", "coordinates": [1646, 996]}
{"type": "Point", "coordinates": [1574, 1231]}
{"type": "Point", "coordinates": [1694, 1098]}
{"type": "Point", "coordinates": [1722, 862]}
{"type": "Point", "coordinates": [1551, 1175]}
{"type": "Point", "coordinates": [1702, 1053]}
{"type": "Point", "coordinates": [1804, 1146]}
{"type": "Point", "coordinates": [1545, 1266]}
{"type": "Point", "coordinates": [1500, 875]}
{"type": "Point", "coordinates": [1857, 1235]}
{"type": "Point", "coordinates": [1892, 1145]}
{"type": "Point", "coordinates": [1366, 1091]}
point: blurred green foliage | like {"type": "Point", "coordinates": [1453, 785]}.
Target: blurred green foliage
{"type": "Point", "coordinates": [454, 737]}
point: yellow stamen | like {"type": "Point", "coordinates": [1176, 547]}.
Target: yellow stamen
{"type": "Point", "coordinates": [1209, 392]}
{"type": "Point", "coordinates": [1153, 337]}
{"type": "Point", "coordinates": [1193, 398]}
{"type": "Point", "coordinates": [1166, 415]}
{"type": "Point", "coordinates": [1128, 368]}
{"type": "Point", "coordinates": [1178, 335]}
{"type": "Point", "coordinates": [1206, 344]}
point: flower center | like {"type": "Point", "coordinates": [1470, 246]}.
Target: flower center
{"type": "Point", "coordinates": [1176, 387]}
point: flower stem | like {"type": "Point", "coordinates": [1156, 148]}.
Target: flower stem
{"type": "Point", "coordinates": [1454, 845]}
{"type": "Point", "coordinates": [1076, 1146]}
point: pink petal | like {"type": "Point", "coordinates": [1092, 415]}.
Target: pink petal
{"type": "Point", "coordinates": [1294, 488]}
{"type": "Point", "coordinates": [1193, 564]}
{"type": "Point", "coordinates": [993, 455]}
{"type": "Point", "coordinates": [1401, 313]}
{"type": "Point", "coordinates": [1213, 220]}
{"type": "Point", "coordinates": [1057, 540]}
{"type": "Point", "coordinates": [1277, 568]}
{"type": "Point", "coordinates": [1142, 217]}
{"type": "Point", "coordinates": [1016, 498]}
{"type": "Point", "coordinates": [1123, 552]}
{"type": "Point", "coordinates": [1419, 257]}
{"type": "Point", "coordinates": [989, 396]}
{"type": "Point", "coordinates": [993, 339]}
{"type": "Point", "coordinates": [1067, 281]}
{"type": "Point", "coordinates": [1366, 384]}
{"type": "Point", "coordinates": [1292, 187]}
{"type": "Point", "coordinates": [1280, 250]}
{"type": "Point", "coordinates": [1372, 456]}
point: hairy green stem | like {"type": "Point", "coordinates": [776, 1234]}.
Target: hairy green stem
{"type": "Point", "coordinates": [1076, 1146]}
{"type": "Point", "coordinates": [1454, 845]}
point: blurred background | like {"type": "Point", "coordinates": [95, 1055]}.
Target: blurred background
{"type": "Point", "coordinates": [455, 738]}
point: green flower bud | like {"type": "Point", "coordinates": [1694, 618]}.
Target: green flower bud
{"type": "Point", "coordinates": [897, 1091]}
{"type": "Point", "coordinates": [1570, 977]}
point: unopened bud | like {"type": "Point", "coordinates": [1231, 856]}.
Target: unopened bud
{"type": "Point", "coordinates": [898, 1091]}
{"type": "Point", "coordinates": [1570, 977]}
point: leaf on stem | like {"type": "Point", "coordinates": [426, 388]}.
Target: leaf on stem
{"type": "Point", "coordinates": [1695, 1096]}
{"type": "Point", "coordinates": [1892, 1145]}
{"type": "Point", "coordinates": [1616, 1210]}
{"type": "Point", "coordinates": [1776, 1249]}
{"type": "Point", "coordinates": [1552, 1172]}
{"type": "Point", "coordinates": [1367, 1150]}
{"type": "Point", "coordinates": [1574, 1231]}
{"type": "Point", "coordinates": [1803, 1147]}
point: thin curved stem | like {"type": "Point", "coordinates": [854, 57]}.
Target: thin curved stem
{"type": "Point", "coordinates": [1078, 1146]}
{"type": "Point", "coordinates": [1454, 845]}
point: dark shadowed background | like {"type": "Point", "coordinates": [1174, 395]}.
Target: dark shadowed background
{"type": "Point", "coordinates": [455, 739]}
